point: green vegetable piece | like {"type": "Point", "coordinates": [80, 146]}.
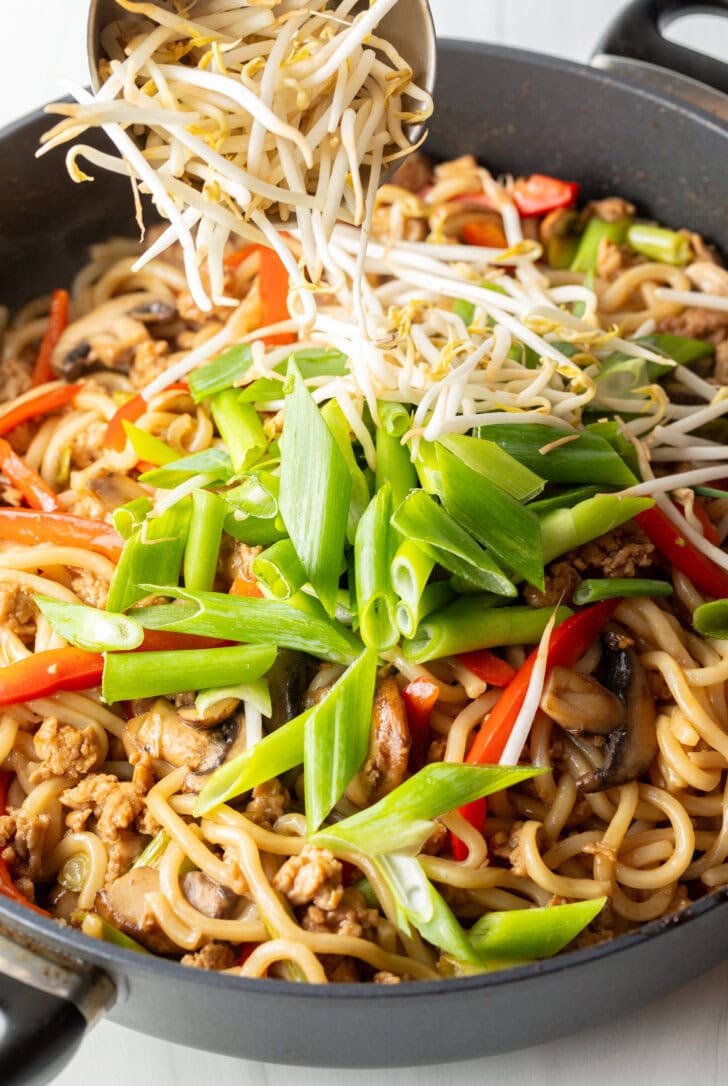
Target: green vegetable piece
{"type": "Point", "coordinates": [394, 466]}
{"type": "Point", "coordinates": [373, 551]}
{"type": "Point", "coordinates": [90, 629]}
{"type": "Point", "coordinates": [315, 493]}
{"type": "Point", "coordinates": [203, 539]}
{"type": "Point", "coordinates": [595, 589]}
{"type": "Point", "coordinates": [132, 515]}
{"type": "Point", "coordinates": [523, 935]}
{"type": "Point", "coordinates": [147, 446]}
{"type": "Point", "coordinates": [585, 259]}
{"type": "Point", "coordinates": [150, 674]}
{"type": "Point", "coordinates": [658, 243]}
{"type": "Point", "coordinates": [564, 499]}
{"type": "Point", "coordinates": [471, 622]}
{"type": "Point", "coordinates": [154, 851]}
{"type": "Point", "coordinates": [335, 420]}
{"type": "Point", "coordinates": [256, 693]}
{"type": "Point", "coordinates": [464, 310]}
{"type": "Point", "coordinates": [336, 738]}
{"type": "Point", "coordinates": [214, 463]}
{"type": "Point", "coordinates": [496, 465]}
{"type": "Point", "coordinates": [152, 552]}
{"type": "Point", "coordinates": [279, 570]}
{"type": "Point", "coordinates": [564, 529]}
{"type": "Point", "coordinates": [221, 373]}
{"type": "Point", "coordinates": [394, 418]}
{"type": "Point", "coordinates": [711, 619]}
{"type": "Point", "coordinates": [587, 458]}
{"type": "Point", "coordinates": [240, 428]}
{"type": "Point", "coordinates": [109, 933]}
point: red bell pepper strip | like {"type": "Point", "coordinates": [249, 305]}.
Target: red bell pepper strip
{"type": "Point", "coordinates": [130, 411]}
{"type": "Point", "coordinates": [242, 587]}
{"type": "Point", "coordinates": [667, 538]}
{"type": "Point", "coordinates": [34, 490]}
{"type": "Point", "coordinates": [57, 323]}
{"type": "Point", "coordinates": [46, 673]}
{"type": "Point", "coordinates": [272, 287]}
{"type": "Point", "coordinates": [487, 234]}
{"type": "Point", "coordinates": [709, 529]}
{"type": "Point", "coordinates": [539, 194]}
{"type": "Point", "coordinates": [419, 699]}
{"type": "Point", "coordinates": [568, 643]}
{"type": "Point", "coordinates": [488, 667]}
{"type": "Point", "coordinates": [37, 406]}
{"type": "Point", "coordinates": [29, 526]}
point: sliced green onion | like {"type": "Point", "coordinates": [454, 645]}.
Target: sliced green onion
{"type": "Point", "coordinates": [109, 933]}
{"type": "Point", "coordinates": [264, 390]}
{"type": "Point", "coordinates": [565, 529]}
{"type": "Point", "coordinates": [680, 349]}
{"type": "Point", "coordinates": [609, 588]}
{"type": "Point", "coordinates": [375, 595]}
{"type": "Point", "coordinates": [132, 515]}
{"type": "Point", "coordinates": [270, 757]}
{"type": "Point", "coordinates": [203, 539]}
{"type": "Point", "coordinates": [464, 310]}
{"type": "Point", "coordinates": [418, 903]}
{"type": "Point", "coordinates": [564, 499]}
{"type": "Point", "coordinates": [256, 694]}
{"type": "Point", "coordinates": [213, 462]}
{"type": "Point", "coordinates": [239, 618]}
{"type": "Point", "coordinates": [152, 553]}
{"type": "Point", "coordinates": [255, 531]}
{"type": "Point", "coordinates": [154, 851]}
{"type": "Point", "coordinates": [561, 251]}
{"type": "Point", "coordinates": [487, 511]}
{"type": "Point", "coordinates": [337, 738]}
{"type": "Point", "coordinates": [316, 486]}
{"type": "Point", "coordinates": [493, 463]}
{"type": "Point", "coordinates": [711, 619]}
{"type": "Point", "coordinates": [611, 432]}
{"type": "Point", "coordinates": [74, 873]}
{"type": "Point", "coordinates": [524, 935]}
{"type": "Point", "coordinates": [130, 675]}
{"type": "Point", "coordinates": [240, 427]}
{"type": "Point", "coordinates": [394, 418]}
{"type": "Point", "coordinates": [221, 373]}
{"type": "Point", "coordinates": [623, 375]}
{"type": "Point", "coordinates": [403, 819]}
{"type": "Point", "coordinates": [426, 467]}
{"type": "Point", "coordinates": [710, 492]}
{"type": "Point", "coordinates": [279, 570]}
{"type": "Point", "coordinates": [435, 596]}
{"type": "Point", "coordinates": [472, 623]}
{"type": "Point", "coordinates": [394, 466]}
{"type": "Point", "coordinates": [585, 458]}
{"type": "Point", "coordinates": [366, 889]}
{"type": "Point", "coordinates": [336, 421]}
{"type": "Point", "coordinates": [90, 629]}
{"type": "Point", "coordinates": [318, 362]}
{"type": "Point", "coordinates": [585, 259]}
{"type": "Point", "coordinates": [411, 569]}
{"type": "Point", "coordinates": [147, 446]}
{"type": "Point", "coordinates": [421, 519]}
{"type": "Point", "coordinates": [257, 494]}
{"type": "Point", "coordinates": [658, 243]}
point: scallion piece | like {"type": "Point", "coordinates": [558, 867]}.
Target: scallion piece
{"type": "Point", "coordinates": [464, 310]}
{"type": "Point", "coordinates": [255, 531]}
{"type": "Point", "coordinates": [394, 466]}
{"type": "Point", "coordinates": [585, 458]}
{"type": "Point", "coordinates": [411, 569]}
{"type": "Point", "coordinates": [471, 622]}
{"type": "Point", "coordinates": [710, 492]}
{"type": "Point", "coordinates": [240, 427]}
{"type": "Point", "coordinates": [90, 629]}
{"type": "Point", "coordinates": [130, 516]}
{"type": "Point", "coordinates": [109, 933]}
{"type": "Point", "coordinates": [711, 619]}
{"type": "Point", "coordinates": [315, 493]}
{"type": "Point", "coordinates": [609, 588]}
{"type": "Point", "coordinates": [203, 540]}
{"type": "Point", "coordinates": [394, 418]}
{"type": "Point", "coordinates": [279, 570]}
{"type": "Point", "coordinates": [154, 851]}
{"type": "Point", "coordinates": [318, 362]}
{"type": "Point", "coordinates": [336, 421]}
{"type": "Point", "coordinates": [495, 464]}
{"type": "Point", "coordinates": [403, 819]}
{"type": "Point", "coordinates": [658, 243]}
{"type": "Point", "coordinates": [564, 499]}
{"type": "Point", "coordinates": [221, 373]}
{"type": "Point", "coordinates": [564, 529]}
{"type": "Point", "coordinates": [256, 693]}
{"type": "Point", "coordinates": [375, 595]}
{"type": "Point", "coordinates": [149, 674]}
{"type": "Point", "coordinates": [152, 553]}
{"type": "Point", "coordinates": [507, 528]}
{"type": "Point", "coordinates": [409, 616]}
{"type": "Point", "coordinates": [585, 259]}
{"type": "Point", "coordinates": [256, 495]}
{"type": "Point", "coordinates": [238, 618]}
{"type": "Point", "coordinates": [421, 519]}
{"type": "Point", "coordinates": [214, 463]}
{"type": "Point", "coordinates": [524, 935]}
{"type": "Point", "coordinates": [147, 446]}
{"type": "Point", "coordinates": [336, 738]}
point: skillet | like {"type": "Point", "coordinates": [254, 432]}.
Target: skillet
{"type": "Point", "coordinates": [630, 127]}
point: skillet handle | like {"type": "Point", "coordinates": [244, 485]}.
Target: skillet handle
{"type": "Point", "coordinates": [46, 1005]}
{"type": "Point", "coordinates": [636, 34]}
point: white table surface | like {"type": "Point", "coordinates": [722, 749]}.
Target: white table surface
{"type": "Point", "coordinates": [681, 1039]}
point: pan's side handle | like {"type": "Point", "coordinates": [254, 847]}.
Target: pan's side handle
{"type": "Point", "coordinates": [636, 33]}
{"type": "Point", "coordinates": [46, 1005]}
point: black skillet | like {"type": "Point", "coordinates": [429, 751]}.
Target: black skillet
{"type": "Point", "coordinates": [659, 139]}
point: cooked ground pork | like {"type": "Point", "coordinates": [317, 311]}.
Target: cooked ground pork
{"type": "Point", "coordinates": [624, 552]}
{"type": "Point", "coordinates": [64, 751]}
{"type": "Point", "coordinates": [149, 361]}
{"type": "Point", "coordinates": [383, 977]}
{"type": "Point", "coordinates": [236, 560]}
{"type": "Point", "coordinates": [350, 916]}
{"type": "Point", "coordinates": [14, 378]}
{"type": "Point", "coordinates": [695, 323]}
{"type": "Point", "coordinates": [22, 841]}
{"type": "Point", "coordinates": [312, 876]}
{"type": "Point", "coordinates": [268, 803]}
{"type": "Point", "coordinates": [17, 610]}
{"type": "Point", "coordinates": [90, 589]}
{"type": "Point", "coordinates": [212, 956]}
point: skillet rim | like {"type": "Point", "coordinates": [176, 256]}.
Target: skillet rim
{"type": "Point", "coordinates": [47, 935]}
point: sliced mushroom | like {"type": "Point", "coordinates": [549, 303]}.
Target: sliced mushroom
{"type": "Point", "coordinates": [161, 732]}
{"type": "Point", "coordinates": [213, 715]}
{"type": "Point", "coordinates": [207, 896]}
{"type": "Point", "coordinates": [452, 216]}
{"type": "Point", "coordinates": [288, 681]}
{"type": "Point", "coordinates": [116, 489]}
{"type": "Point", "coordinates": [631, 748]}
{"type": "Point", "coordinates": [389, 747]}
{"type": "Point", "coordinates": [580, 703]}
{"type": "Point", "coordinates": [708, 277]}
{"type": "Point", "coordinates": [108, 335]}
{"type": "Point", "coordinates": [124, 905]}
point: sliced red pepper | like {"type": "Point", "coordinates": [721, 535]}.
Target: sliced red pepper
{"type": "Point", "coordinates": [488, 234]}
{"type": "Point", "coordinates": [242, 587]}
{"type": "Point", "coordinates": [709, 529]}
{"type": "Point", "coordinates": [57, 323]}
{"type": "Point", "coordinates": [64, 529]}
{"type": "Point", "coordinates": [272, 287]}
{"type": "Point", "coordinates": [419, 698]}
{"type": "Point", "coordinates": [539, 194]}
{"type": "Point", "coordinates": [488, 667]}
{"type": "Point", "coordinates": [130, 411]}
{"type": "Point", "coordinates": [45, 673]}
{"type": "Point", "coordinates": [37, 406]}
{"type": "Point", "coordinates": [34, 490]}
{"type": "Point", "coordinates": [666, 536]}
{"type": "Point", "coordinates": [568, 643]}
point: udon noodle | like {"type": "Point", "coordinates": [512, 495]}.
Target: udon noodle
{"type": "Point", "coordinates": [469, 325]}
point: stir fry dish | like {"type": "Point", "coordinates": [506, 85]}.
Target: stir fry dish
{"type": "Point", "coordinates": [383, 646]}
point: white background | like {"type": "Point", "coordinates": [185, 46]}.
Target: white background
{"type": "Point", "coordinates": [681, 1039]}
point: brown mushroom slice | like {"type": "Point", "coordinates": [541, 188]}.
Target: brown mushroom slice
{"type": "Point", "coordinates": [580, 703]}
{"type": "Point", "coordinates": [213, 715]}
{"type": "Point", "coordinates": [207, 896]}
{"type": "Point", "coordinates": [124, 905]}
{"type": "Point", "coordinates": [288, 680]}
{"type": "Point", "coordinates": [389, 747]}
{"type": "Point", "coordinates": [631, 748]}
{"type": "Point", "coordinates": [163, 734]}
{"type": "Point", "coordinates": [108, 334]}
{"type": "Point", "coordinates": [116, 489]}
